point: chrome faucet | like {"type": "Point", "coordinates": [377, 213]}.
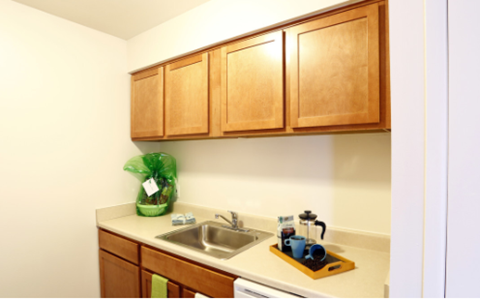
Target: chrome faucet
{"type": "Point", "coordinates": [234, 221]}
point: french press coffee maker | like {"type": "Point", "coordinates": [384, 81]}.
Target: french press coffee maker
{"type": "Point", "coordinates": [308, 228]}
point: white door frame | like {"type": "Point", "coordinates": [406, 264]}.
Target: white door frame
{"type": "Point", "coordinates": [419, 95]}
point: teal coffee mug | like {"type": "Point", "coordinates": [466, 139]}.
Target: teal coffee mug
{"type": "Point", "coordinates": [297, 242]}
{"type": "Point", "coordinates": [318, 250]}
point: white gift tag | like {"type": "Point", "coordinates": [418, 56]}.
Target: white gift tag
{"type": "Point", "coordinates": [150, 187]}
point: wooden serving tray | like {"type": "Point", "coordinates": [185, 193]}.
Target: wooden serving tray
{"type": "Point", "coordinates": [336, 263]}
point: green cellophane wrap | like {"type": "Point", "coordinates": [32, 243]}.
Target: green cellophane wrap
{"type": "Point", "coordinates": [162, 168]}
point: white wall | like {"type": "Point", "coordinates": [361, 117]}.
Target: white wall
{"type": "Point", "coordinates": [64, 136]}
{"type": "Point", "coordinates": [436, 147]}
{"type": "Point", "coordinates": [214, 22]}
{"type": "Point", "coordinates": [463, 239]}
{"type": "Point", "coordinates": [407, 74]}
{"type": "Point", "coordinates": [345, 179]}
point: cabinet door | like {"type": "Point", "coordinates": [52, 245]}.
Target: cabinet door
{"type": "Point", "coordinates": [333, 69]}
{"type": "Point", "coordinates": [188, 293]}
{"type": "Point", "coordinates": [173, 290]}
{"type": "Point", "coordinates": [252, 84]}
{"type": "Point", "coordinates": [186, 96]}
{"type": "Point", "coordinates": [147, 104]}
{"type": "Point", "coordinates": [118, 278]}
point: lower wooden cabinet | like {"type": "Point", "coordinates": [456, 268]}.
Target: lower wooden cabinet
{"type": "Point", "coordinates": [173, 290]}
{"type": "Point", "coordinates": [126, 270]}
{"type": "Point", "coordinates": [118, 278]}
{"type": "Point", "coordinates": [188, 293]}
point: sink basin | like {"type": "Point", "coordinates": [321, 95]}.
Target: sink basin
{"type": "Point", "coordinates": [214, 239]}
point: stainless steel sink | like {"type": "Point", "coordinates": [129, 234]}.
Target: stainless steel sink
{"type": "Point", "coordinates": [214, 239]}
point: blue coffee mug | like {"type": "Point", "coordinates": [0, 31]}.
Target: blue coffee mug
{"type": "Point", "coordinates": [317, 247]}
{"type": "Point", "coordinates": [297, 242]}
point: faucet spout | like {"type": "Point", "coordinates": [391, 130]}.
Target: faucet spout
{"type": "Point", "coordinates": [228, 221]}
{"type": "Point", "coordinates": [233, 223]}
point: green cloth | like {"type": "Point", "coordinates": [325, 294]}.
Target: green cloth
{"type": "Point", "coordinates": [159, 286]}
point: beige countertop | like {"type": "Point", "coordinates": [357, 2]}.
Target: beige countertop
{"type": "Point", "coordinates": [260, 265]}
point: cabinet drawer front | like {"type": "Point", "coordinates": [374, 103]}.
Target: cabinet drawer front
{"type": "Point", "coordinates": [203, 280]}
{"type": "Point", "coordinates": [334, 72]}
{"type": "Point", "coordinates": [173, 290]}
{"type": "Point", "coordinates": [118, 278]}
{"type": "Point", "coordinates": [119, 246]}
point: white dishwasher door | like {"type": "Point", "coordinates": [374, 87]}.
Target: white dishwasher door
{"type": "Point", "coordinates": [248, 289]}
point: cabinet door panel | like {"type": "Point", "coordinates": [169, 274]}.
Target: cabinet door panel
{"type": "Point", "coordinates": [173, 290]}
{"type": "Point", "coordinates": [118, 278]}
{"type": "Point", "coordinates": [147, 104]}
{"type": "Point", "coordinates": [334, 70]}
{"type": "Point", "coordinates": [188, 293]}
{"type": "Point", "coordinates": [186, 96]}
{"type": "Point", "coordinates": [252, 84]}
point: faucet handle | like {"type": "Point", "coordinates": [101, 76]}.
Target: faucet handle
{"type": "Point", "coordinates": [234, 214]}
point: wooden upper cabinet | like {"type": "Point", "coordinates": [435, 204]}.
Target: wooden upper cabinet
{"type": "Point", "coordinates": [333, 69]}
{"type": "Point", "coordinates": [325, 74]}
{"type": "Point", "coordinates": [186, 96]}
{"type": "Point", "coordinates": [147, 104]}
{"type": "Point", "coordinates": [252, 84]}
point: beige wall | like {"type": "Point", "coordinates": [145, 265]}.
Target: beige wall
{"type": "Point", "coordinates": [64, 136]}
{"type": "Point", "coordinates": [216, 21]}
{"type": "Point", "coordinates": [345, 179]}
